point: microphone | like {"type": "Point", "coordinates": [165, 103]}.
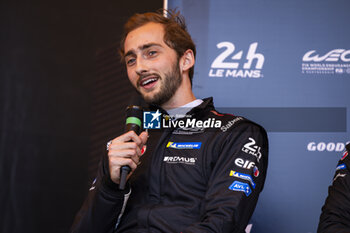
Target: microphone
{"type": "Point", "coordinates": [134, 115]}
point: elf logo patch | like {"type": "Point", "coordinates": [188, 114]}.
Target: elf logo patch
{"type": "Point", "coordinates": [244, 163]}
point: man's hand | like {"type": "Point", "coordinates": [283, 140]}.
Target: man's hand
{"type": "Point", "coordinates": [125, 150]}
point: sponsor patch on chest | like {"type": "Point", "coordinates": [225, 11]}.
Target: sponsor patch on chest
{"type": "Point", "coordinates": [184, 145]}
{"type": "Point", "coordinates": [180, 159]}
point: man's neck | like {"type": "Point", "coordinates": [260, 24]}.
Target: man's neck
{"type": "Point", "coordinates": [182, 110]}
{"type": "Point", "coordinates": [176, 103]}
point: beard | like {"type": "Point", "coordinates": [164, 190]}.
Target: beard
{"type": "Point", "coordinates": [171, 82]}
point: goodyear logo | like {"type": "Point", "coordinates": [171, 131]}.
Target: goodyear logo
{"type": "Point", "coordinates": [243, 177]}
{"type": "Point", "coordinates": [184, 145]}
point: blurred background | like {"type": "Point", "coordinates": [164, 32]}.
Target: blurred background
{"type": "Point", "coordinates": [63, 94]}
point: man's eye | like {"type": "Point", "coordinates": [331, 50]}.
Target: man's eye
{"type": "Point", "coordinates": [130, 61]}
{"type": "Point", "coordinates": [152, 53]}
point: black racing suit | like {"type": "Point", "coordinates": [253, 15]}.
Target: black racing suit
{"type": "Point", "coordinates": [189, 180]}
{"type": "Point", "coordinates": [335, 216]}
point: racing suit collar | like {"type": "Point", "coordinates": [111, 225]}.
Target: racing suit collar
{"type": "Point", "coordinates": [197, 111]}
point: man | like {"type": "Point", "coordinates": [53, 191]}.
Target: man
{"type": "Point", "coordinates": [183, 179]}
{"type": "Point", "coordinates": [335, 215]}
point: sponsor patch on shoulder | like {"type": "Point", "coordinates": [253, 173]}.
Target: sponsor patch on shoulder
{"type": "Point", "coordinates": [256, 171]}
{"type": "Point", "coordinates": [240, 187]}
{"type": "Point", "coordinates": [230, 123]}
{"type": "Point", "coordinates": [246, 164]}
{"type": "Point", "coordinates": [341, 167]}
{"type": "Point", "coordinates": [344, 155]}
{"type": "Point", "coordinates": [243, 177]}
{"type": "Point", "coordinates": [252, 148]}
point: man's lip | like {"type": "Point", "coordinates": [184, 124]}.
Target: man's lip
{"type": "Point", "coordinates": [148, 79]}
{"type": "Point", "coordinates": [149, 86]}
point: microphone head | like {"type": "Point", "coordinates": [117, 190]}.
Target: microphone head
{"type": "Point", "coordinates": [134, 111]}
{"type": "Point", "coordinates": [134, 115]}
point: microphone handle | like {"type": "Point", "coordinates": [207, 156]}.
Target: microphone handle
{"type": "Point", "coordinates": [125, 170]}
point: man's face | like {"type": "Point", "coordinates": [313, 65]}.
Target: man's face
{"type": "Point", "coordinates": [152, 66]}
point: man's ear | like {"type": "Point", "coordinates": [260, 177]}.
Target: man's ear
{"type": "Point", "coordinates": [187, 60]}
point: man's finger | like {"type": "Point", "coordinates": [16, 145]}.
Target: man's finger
{"type": "Point", "coordinates": [123, 146]}
{"type": "Point", "coordinates": [129, 136]}
{"type": "Point", "coordinates": [127, 153]}
{"type": "Point", "coordinates": [144, 136]}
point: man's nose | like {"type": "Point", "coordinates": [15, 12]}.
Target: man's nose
{"type": "Point", "coordinates": [141, 66]}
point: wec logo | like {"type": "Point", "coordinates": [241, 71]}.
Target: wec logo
{"type": "Point", "coordinates": [332, 56]}
{"type": "Point", "coordinates": [336, 61]}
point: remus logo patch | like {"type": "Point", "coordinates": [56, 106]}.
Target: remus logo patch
{"type": "Point", "coordinates": [180, 159]}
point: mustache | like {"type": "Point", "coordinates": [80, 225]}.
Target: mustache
{"type": "Point", "coordinates": [146, 75]}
